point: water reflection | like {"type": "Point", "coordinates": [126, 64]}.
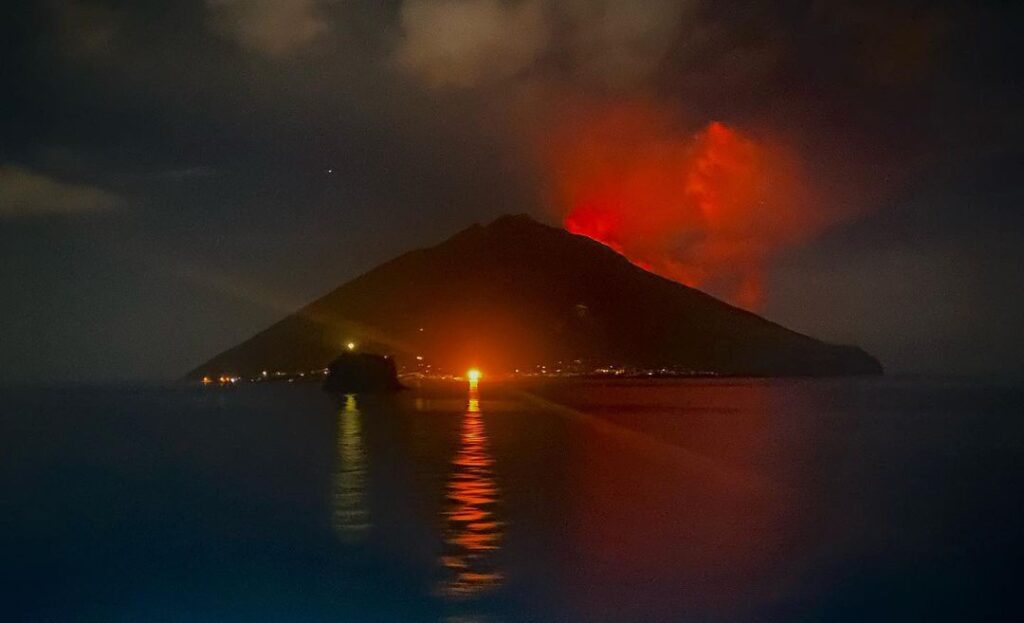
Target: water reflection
{"type": "Point", "coordinates": [473, 532]}
{"type": "Point", "coordinates": [689, 482]}
{"type": "Point", "coordinates": [351, 517]}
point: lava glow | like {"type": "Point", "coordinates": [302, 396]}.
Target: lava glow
{"type": "Point", "coordinates": [709, 209]}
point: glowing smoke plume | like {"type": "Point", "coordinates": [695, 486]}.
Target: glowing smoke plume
{"type": "Point", "coordinates": [709, 209]}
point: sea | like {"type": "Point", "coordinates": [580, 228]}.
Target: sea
{"type": "Point", "coordinates": [882, 499]}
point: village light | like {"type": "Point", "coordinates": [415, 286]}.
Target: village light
{"type": "Point", "coordinates": [351, 346]}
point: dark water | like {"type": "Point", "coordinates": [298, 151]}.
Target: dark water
{"type": "Point", "coordinates": [661, 501]}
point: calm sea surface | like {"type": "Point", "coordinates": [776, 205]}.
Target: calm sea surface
{"type": "Point", "coordinates": [859, 500]}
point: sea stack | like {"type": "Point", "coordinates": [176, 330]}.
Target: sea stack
{"type": "Point", "coordinates": [362, 372]}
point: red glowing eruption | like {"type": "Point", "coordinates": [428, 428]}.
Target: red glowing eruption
{"type": "Point", "coordinates": [708, 209]}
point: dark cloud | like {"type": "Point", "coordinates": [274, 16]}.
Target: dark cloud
{"type": "Point", "coordinates": [85, 30]}
{"type": "Point", "coordinates": [25, 193]}
{"type": "Point", "coordinates": [271, 27]}
{"type": "Point", "coordinates": [464, 42]}
{"type": "Point", "coordinates": [606, 42]}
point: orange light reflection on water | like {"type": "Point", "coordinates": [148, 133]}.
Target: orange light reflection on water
{"type": "Point", "coordinates": [473, 531]}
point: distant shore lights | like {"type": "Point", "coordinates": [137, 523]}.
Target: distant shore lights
{"type": "Point", "coordinates": [350, 346]}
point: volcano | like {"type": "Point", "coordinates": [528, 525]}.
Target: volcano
{"type": "Point", "coordinates": [517, 295]}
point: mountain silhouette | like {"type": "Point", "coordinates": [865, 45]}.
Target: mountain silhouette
{"type": "Point", "coordinates": [517, 294]}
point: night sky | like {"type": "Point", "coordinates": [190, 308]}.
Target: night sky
{"type": "Point", "coordinates": [175, 176]}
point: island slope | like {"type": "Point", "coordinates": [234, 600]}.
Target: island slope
{"type": "Point", "coordinates": [517, 294]}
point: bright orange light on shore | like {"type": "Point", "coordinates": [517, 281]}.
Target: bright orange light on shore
{"type": "Point", "coordinates": [473, 375]}
{"type": "Point", "coordinates": [351, 346]}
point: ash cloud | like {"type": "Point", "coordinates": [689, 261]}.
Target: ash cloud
{"type": "Point", "coordinates": [709, 209]}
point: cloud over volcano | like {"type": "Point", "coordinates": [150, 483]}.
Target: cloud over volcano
{"type": "Point", "coordinates": [708, 208]}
